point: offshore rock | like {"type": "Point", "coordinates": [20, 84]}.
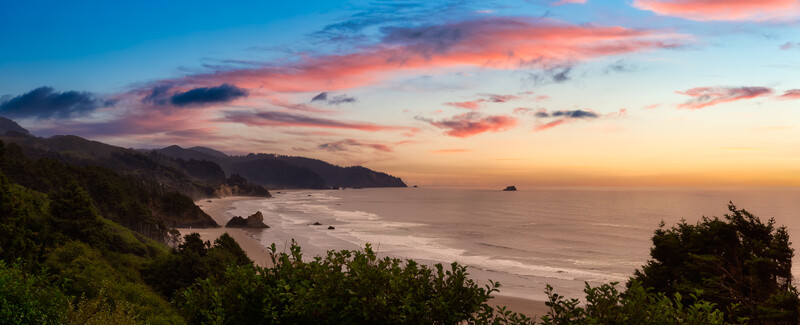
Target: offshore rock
{"type": "Point", "coordinates": [255, 220]}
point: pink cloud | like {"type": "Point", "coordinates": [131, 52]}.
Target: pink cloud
{"type": "Point", "coordinates": [473, 105]}
{"type": "Point", "coordinates": [494, 98]}
{"type": "Point", "coordinates": [454, 150]}
{"type": "Point", "coordinates": [478, 103]}
{"type": "Point", "coordinates": [472, 123]}
{"type": "Point", "coordinates": [298, 106]}
{"type": "Point", "coordinates": [653, 106]}
{"type": "Point", "coordinates": [527, 110]}
{"type": "Point", "coordinates": [549, 125]}
{"type": "Point", "coordinates": [709, 96]}
{"type": "Point", "coordinates": [497, 42]}
{"type": "Point", "coordinates": [550, 119]}
{"type": "Point", "coordinates": [563, 2]}
{"type": "Point", "coordinates": [346, 144]}
{"type": "Point", "coordinates": [198, 133]}
{"type": "Point", "coordinates": [271, 118]}
{"type": "Point", "coordinates": [724, 10]}
{"type": "Point", "coordinates": [791, 94]}
{"type": "Point", "coordinates": [789, 45]}
{"type": "Point", "coordinates": [490, 42]}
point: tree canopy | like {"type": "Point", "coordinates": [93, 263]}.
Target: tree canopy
{"type": "Point", "coordinates": [738, 262]}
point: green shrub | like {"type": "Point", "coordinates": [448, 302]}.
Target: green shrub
{"type": "Point", "coordinates": [29, 299]}
{"type": "Point", "coordinates": [345, 287]}
{"type": "Point", "coordinates": [606, 305]}
{"type": "Point", "coordinates": [739, 263]}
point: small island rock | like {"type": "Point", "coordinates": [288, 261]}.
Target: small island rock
{"type": "Point", "coordinates": [256, 220]}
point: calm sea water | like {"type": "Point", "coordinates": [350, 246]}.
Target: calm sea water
{"type": "Point", "coordinates": [523, 239]}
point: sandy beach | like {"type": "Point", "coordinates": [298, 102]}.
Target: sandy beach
{"type": "Point", "coordinates": [218, 207]}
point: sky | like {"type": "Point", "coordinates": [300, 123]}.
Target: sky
{"type": "Point", "coordinates": [452, 93]}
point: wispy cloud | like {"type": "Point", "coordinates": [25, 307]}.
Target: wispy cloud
{"type": "Point", "coordinates": [563, 116]}
{"type": "Point", "coordinates": [791, 94]}
{"type": "Point", "coordinates": [453, 150]}
{"type": "Point", "coordinates": [790, 46]}
{"type": "Point", "coordinates": [708, 96]}
{"type": "Point", "coordinates": [333, 100]}
{"type": "Point", "coordinates": [348, 144]}
{"type": "Point", "coordinates": [550, 119]}
{"type": "Point", "coordinates": [271, 118]}
{"type": "Point", "coordinates": [496, 42]}
{"type": "Point", "coordinates": [564, 2]}
{"type": "Point", "coordinates": [356, 28]}
{"type": "Point", "coordinates": [723, 10]}
{"type": "Point", "coordinates": [478, 103]}
{"type": "Point", "coordinates": [620, 66]}
{"type": "Point", "coordinates": [652, 106]}
{"type": "Point", "coordinates": [472, 123]}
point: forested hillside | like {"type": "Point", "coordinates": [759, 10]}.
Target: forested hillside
{"type": "Point", "coordinates": [278, 171]}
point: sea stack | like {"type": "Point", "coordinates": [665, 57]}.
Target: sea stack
{"type": "Point", "coordinates": [256, 220]}
{"type": "Point", "coordinates": [510, 188]}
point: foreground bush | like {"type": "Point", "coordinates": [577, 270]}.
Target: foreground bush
{"type": "Point", "coordinates": [739, 263]}
{"type": "Point", "coordinates": [606, 305]}
{"type": "Point", "coordinates": [356, 287]}
{"type": "Point", "coordinates": [345, 287]}
{"type": "Point", "coordinates": [29, 299]}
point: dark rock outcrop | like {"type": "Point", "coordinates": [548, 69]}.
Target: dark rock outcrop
{"type": "Point", "coordinates": [255, 220]}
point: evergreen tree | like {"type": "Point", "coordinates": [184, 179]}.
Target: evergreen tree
{"type": "Point", "coordinates": [738, 262]}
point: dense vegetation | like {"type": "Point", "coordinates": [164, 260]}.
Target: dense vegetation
{"type": "Point", "coordinates": [76, 247]}
{"type": "Point", "coordinates": [196, 178]}
{"type": "Point", "coordinates": [279, 171]}
{"type": "Point", "coordinates": [136, 203]}
{"type": "Point", "coordinates": [741, 264]}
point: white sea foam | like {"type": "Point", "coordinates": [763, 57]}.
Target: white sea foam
{"type": "Point", "coordinates": [397, 238]}
{"type": "Point", "coordinates": [536, 237]}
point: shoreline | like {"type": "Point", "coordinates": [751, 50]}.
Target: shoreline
{"type": "Point", "coordinates": [216, 209]}
{"type": "Point", "coordinates": [219, 207]}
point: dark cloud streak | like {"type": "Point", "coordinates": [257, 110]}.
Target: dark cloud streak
{"type": "Point", "coordinates": [323, 96]}
{"type": "Point", "coordinates": [333, 100]}
{"type": "Point", "coordinates": [44, 103]}
{"type": "Point", "coordinates": [295, 120]}
{"type": "Point", "coordinates": [211, 95]}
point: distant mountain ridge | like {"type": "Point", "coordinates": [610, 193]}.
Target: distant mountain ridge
{"type": "Point", "coordinates": [277, 171]}
{"type": "Point", "coordinates": [199, 171]}
{"type": "Point", "coordinates": [194, 178]}
{"type": "Point", "coordinates": [11, 128]}
{"type": "Point", "coordinates": [209, 151]}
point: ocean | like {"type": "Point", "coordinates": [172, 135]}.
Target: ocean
{"type": "Point", "coordinates": [524, 239]}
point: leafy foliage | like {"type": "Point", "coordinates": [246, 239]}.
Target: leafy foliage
{"type": "Point", "coordinates": [345, 287]}
{"type": "Point", "coordinates": [741, 264]}
{"type": "Point", "coordinates": [137, 203]}
{"type": "Point", "coordinates": [28, 299]}
{"type": "Point", "coordinates": [194, 259]}
{"type": "Point", "coordinates": [606, 305]}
